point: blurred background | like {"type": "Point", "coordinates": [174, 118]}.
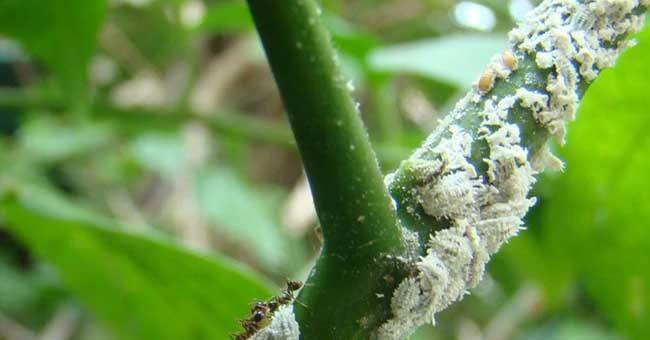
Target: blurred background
{"type": "Point", "coordinates": [162, 115]}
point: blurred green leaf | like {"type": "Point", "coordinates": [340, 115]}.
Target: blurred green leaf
{"type": "Point", "coordinates": [156, 35]}
{"type": "Point", "coordinates": [457, 59]}
{"type": "Point", "coordinates": [159, 152]}
{"type": "Point", "coordinates": [597, 216]}
{"type": "Point", "coordinates": [143, 287]}
{"type": "Point", "coordinates": [569, 330]}
{"type": "Point", "coordinates": [246, 215]}
{"type": "Point", "coordinates": [48, 139]}
{"type": "Point", "coordinates": [62, 34]}
{"type": "Point", "coordinates": [350, 39]}
{"type": "Point", "coordinates": [227, 17]}
{"type": "Point", "coordinates": [27, 293]}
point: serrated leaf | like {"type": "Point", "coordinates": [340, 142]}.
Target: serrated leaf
{"type": "Point", "coordinates": [142, 286]}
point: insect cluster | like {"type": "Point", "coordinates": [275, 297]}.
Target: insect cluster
{"type": "Point", "coordinates": [500, 67]}
{"type": "Point", "coordinates": [484, 209]}
{"type": "Point", "coordinates": [262, 311]}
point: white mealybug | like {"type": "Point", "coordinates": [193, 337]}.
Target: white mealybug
{"type": "Point", "coordinates": [572, 41]}
{"type": "Point", "coordinates": [283, 326]}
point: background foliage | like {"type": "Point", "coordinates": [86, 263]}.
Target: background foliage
{"type": "Point", "coordinates": [149, 187]}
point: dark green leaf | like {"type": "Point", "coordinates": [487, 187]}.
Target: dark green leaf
{"type": "Point", "coordinates": [62, 34]}
{"type": "Point", "coordinates": [597, 216]}
{"type": "Point", "coordinates": [141, 286]}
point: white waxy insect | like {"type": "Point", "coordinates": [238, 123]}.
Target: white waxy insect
{"type": "Point", "coordinates": [485, 210]}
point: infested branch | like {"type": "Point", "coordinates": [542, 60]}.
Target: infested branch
{"type": "Point", "coordinates": [465, 191]}
{"type": "Point", "coordinates": [460, 196]}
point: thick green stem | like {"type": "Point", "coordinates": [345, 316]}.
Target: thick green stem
{"type": "Point", "coordinates": [346, 295]}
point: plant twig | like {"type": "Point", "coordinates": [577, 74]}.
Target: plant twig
{"type": "Point", "coordinates": [345, 295]}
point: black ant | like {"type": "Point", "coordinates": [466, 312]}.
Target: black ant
{"type": "Point", "coordinates": [262, 310]}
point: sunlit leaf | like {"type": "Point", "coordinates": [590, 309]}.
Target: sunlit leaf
{"type": "Point", "coordinates": [569, 330]}
{"type": "Point", "coordinates": [457, 59]}
{"type": "Point", "coordinates": [48, 139]}
{"type": "Point", "coordinates": [159, 152]}
{"type": "Point", "coordinates": [245, 215]}
{"type": "Point", "coordinates": [227, 17]}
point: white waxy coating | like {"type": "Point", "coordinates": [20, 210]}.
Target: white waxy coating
{"type": "Point", "coordinates": [283, 326]}
{"type": "Point", "coordinates": [486, 212]}
{"type": "Point", "coordinates": [572, 39]}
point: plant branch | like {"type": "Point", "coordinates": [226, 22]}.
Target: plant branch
{"type": "Point", "coordinates": [344, 297]}
{"type": "Point", "coordinates": [465, 191]}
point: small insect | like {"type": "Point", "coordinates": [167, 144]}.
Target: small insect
{"type": "Point", "coordinates": [510, 60]}
{"type": "Point", "coordinates": [262, 311]}
{"type": "Point", "coordinates": [273, 305]}
{"type": "Point", "coordinates": [288, 294]}
{"type": "Point", "coordinates": [259, 316]}
{"type": "Point", "coordinates": [259, 307]}
{"type": "Point", "coordinates": [486, 82]}
{"type": "Point", "coordinates": [293, 285]}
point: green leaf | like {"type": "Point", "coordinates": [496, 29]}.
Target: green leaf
{"type": "Point", "coordinates": [457, 59]}
{"type": "Point", "coordinates": [349, 39]}
{"type": "Point", "coordinates": [570, 330]}
{"type": "Point", "coordinates": [227, 17]}
{"type": "Point", "coordinates": [28, 294]}
{"type": "Point", "coordinates": [141, 286]}
{"type": "Point", "coordinates": [62, 34]}
{"type": "Point", "coordinates": [245, 215]}
{"type": "Point", "coordinates": [159, 152]}
{"type": "Point", "coordinates": [597, 217]}
{"type": "Point", "coordinates": [49, 140]}
{"type": "Point", "coordinates": [155, 31]}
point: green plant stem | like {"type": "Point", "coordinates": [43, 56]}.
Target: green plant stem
{"type": "Point", "coordinates": [360, 230]}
